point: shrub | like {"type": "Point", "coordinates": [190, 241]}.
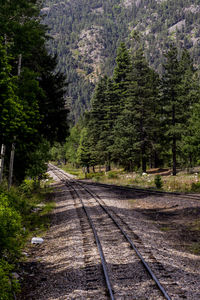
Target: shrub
{"type": "Point", "coordinates": [158, 181]}
{"type": "Point", "coordinates": [10, 228]}
{"type": "Point", "coordinates": [27, 187]}
{"type": "Point", "coordinates": [112, 175]}
{"type": "Point", "coordinates": [195, 187]}
{"type": "Point", "coordinates": [8, 285]}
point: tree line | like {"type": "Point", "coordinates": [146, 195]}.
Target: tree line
{"type": "Point", "coordinates": [32, 95]}
{"type": "Point", "coordinates": [139, 119]}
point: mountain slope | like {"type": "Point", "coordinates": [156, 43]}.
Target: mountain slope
{"type": "Point", "coordinates": [86, 34]}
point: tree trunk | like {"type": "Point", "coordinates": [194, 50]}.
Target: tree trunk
{"type": "Point", "coordinates": [93, 169]}
{"type": "Point", "coordinates": [3, 150]}
{"type": "Point", "coordinates": [174, 142]}
{"type": "Point", "coordinates": [174, 156]}
{"type": "Point", "coordinates": [19, 65]}
{"type": "Point", "coordinates": [156, 160]}
{"type": "Point", "coordinates": [144, 161]}
{"type": "Point", "coordinates": [11, 166]}
{"type": "Point", "coordinates": [88, 169]}
{"type": "Point", "coordinates": [108, 168]}
{"type": "Point", "coordinates": [144, 164]}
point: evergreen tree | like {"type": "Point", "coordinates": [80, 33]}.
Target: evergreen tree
{"type": "Point", "coordinates": [32, 94]}
{"type": "Point", "coordinates": [97, 119]}
{"type": "Point", "coordinates": [72, 144]}
{"type": "Point", "coordinates": [120, 74]}
{"type": "Point", "coordinates": [142, 104]}
{"type": "Point", "coordinates": [11, 110]}
{"type": "Point", "coordinates": [83, 152]}
{"type": "Point", "coordinates": [176, 103]}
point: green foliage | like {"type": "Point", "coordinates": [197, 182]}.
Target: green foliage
{"type": "Point", "coordinates": [83, 152]}
{"type": "Point", "coordinates": [17, 220]}
{"type": "Point", "coordinates": [57, 152]}
{"type": "Point", "coordinates": [32, 106]}
{"type": "Point", "coordinates": [26, 187]}
{"type": "Point", "coordinates": [38, 161]}
{"type": "Point", "coordinates": [138, 119]}
{"type": "Point", "coordinates": [10, 106]}
{"type": "Point", "coordinates": [112, 175]}
{"type": "Point", "coordinates": [72, 144]}
{"type": "Point", "coordinates": [195, 187]}
{"type": "Point", "coordinates": [10, 228]}
{"type": "Point", "coordinates": [158, 181]}
{"type": "Point", "coordinates": [177, 88]}
{"type": "Point", "coordinates": [8, 285]}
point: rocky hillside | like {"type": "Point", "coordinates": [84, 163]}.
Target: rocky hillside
{"type": "Point", "coordinates": [86, 34]}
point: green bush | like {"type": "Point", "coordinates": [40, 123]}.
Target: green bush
{"type": "Point", "coordinates": [8, 285]}
{"type": "Point", "coordinates": [195, 187]}
{"type": "Point", "coordinates": [112, 175]}
{"type": "Point", "coordinates": [27, 187]}
{"type": "Point", "coordinates": [95, 176]}
{"type": "Point", "coordinates": [158, 181]}
{"type": "Point", "coordinates": [10, 228]}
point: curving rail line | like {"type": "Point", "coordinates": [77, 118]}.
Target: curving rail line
{"type": "Point", "coordinates": [62, 176]}
{"type": "Point", "coordinates": [147, 191]}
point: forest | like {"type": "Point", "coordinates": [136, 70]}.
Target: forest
{"type": "Point", "coordinates": [86, 35]}
{"type": "Point", "coordinates": [138, 119]}
{"type": "Point", "coordinates": [33, 115]}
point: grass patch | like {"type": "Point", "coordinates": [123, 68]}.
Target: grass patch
{"type": "Point", "coordinates": [71, 169]}
{"type": "Point", "coordinates": [165, 229]}
{"type": "Point", "coordinates": [195, 248]}
{"type": "Point", "coordinates": [183, 182]}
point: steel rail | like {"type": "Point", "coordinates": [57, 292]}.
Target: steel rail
{"type": "Point", "coordinates": [103, 260]}
{"type": "Point", "coordinates": [140, 190]}
{"type": "Point", "coordinates": [147, 267]}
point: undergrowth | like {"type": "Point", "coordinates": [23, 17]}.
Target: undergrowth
{"type": "Point", "coordinates": [19, 218]}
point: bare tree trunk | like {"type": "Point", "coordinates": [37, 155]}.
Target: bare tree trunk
{"type": "Point", "coordinates": [144, 161]}
{"type": "Point", "coordinates": [19, 65]}
{"type": "Point", "coordinates": [3, 150]}
{"type": "Point", "coordinates": [174, 142]}
{"type": "Point", "coordinates": [11, 166]}
{"type": "Point", "coordinates": [174, 156]}
{"type": "Point", "coordinates": [108, 168]}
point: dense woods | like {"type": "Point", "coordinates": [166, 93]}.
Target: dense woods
{"type": "Point", "coordinates": [32, 104]}
{"type": "Point", "coordinates": [139, 119]}
{"type": "Point", "coordinates": [87, 33]}
{"type": "Point", "coordinates": [33, 115]}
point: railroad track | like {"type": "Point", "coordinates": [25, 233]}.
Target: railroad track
{"type": "Point", "coordinates": [113, 235]}
{"type": "Point", "coordinates": [145, 191]}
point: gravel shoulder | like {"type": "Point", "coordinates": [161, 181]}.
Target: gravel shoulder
{"type": "Point", "coordinates": [167, 226]}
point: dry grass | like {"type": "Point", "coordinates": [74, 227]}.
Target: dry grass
{"type": "Point", "coordinates": [183, 182]}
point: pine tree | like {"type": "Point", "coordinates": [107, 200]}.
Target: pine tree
{"type": "Point", "coordinates": [142, 101]}
{"type": "Point", "coordinates": [97, 120]}
{"type": "Point", "coordinates": [84, 152]}
{"type": "Point", "coordinates": [10, 105]}
{"type": "Point", "coordinates": [176, 103]}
